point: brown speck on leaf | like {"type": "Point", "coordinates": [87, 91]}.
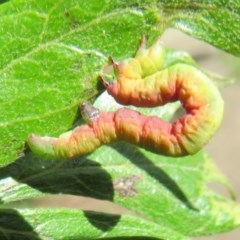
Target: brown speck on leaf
{"type": "Point", "coordinates": [67, 14]}
{"type": "Point", "coordinates": [125, 186]}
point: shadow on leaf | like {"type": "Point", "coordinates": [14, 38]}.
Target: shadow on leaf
{"type": "Point", "coordinates": [84, 177]}
{"type": "Point", "coordinates": [3, 1]}
{"type": "Point", "coordinates": [14, 227]}
{"type": "Point", "coordinates": [80, 176]}
{"type": "Point", "coordinates": [102, 221]}
{"type": "Point", "coordinates": [154, 171]}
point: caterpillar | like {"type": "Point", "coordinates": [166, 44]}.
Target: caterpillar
{"type": "Point", "coordinates": [144, 81]}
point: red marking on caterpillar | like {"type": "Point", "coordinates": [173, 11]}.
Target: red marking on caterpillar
{"type": "Point", "coordinates": [142, 81]}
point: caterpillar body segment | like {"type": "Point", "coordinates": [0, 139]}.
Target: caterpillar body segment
{"type": "Point", "coordinates": [124, 124]}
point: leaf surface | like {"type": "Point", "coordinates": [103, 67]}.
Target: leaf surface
{"type": "Point", "coordinates": [73, 224]}
{"type": "Point", "coordinates": [52, 53]}
{"type": "Point", "coordinates": [170, 192]}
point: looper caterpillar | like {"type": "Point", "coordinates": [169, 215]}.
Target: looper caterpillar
{"type": "Point", "coordinates": [142, 81]}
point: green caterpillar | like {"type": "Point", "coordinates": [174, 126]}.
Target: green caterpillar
{"type": "Point", "coordinates": [142, 81]}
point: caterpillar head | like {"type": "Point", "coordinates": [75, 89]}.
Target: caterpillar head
{"type": "Point", "coordinates": [89, 112]}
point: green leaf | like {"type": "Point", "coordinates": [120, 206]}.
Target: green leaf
{"type": "Point", "coordinates": [172, 193]}
{"type": "Point", "coordinates": [36, 224]}
{"type": "Point", "coordinates": [53, 51]}
{"type": "Point", "coordinates": [27, 167]}
{"type": "Point", "coordinates": [213, 21]}
{"type": "Point", "coordinates": [185, 178]}
{"type": "Point", "coordinates": [51, 55]}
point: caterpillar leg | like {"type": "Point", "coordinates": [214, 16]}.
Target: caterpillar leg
{"type": "Point", "coordinates": [43, 146]}
{"type": "Point", "coordinates": [142, 44]}
{"type": "Point", "coordinates": [113, 63]}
